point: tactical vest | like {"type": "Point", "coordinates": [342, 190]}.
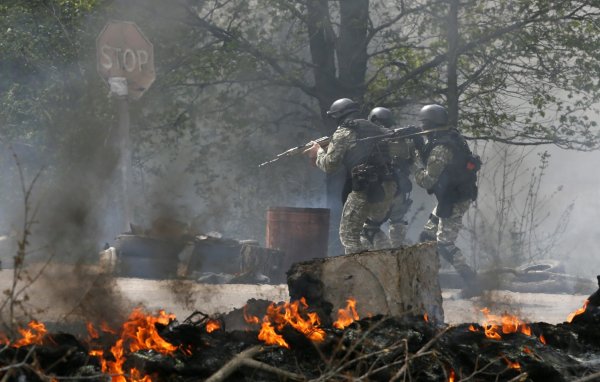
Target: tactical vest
{"type": "Point", "coordinates": [368, 163]}
{"type": "Point", "coordinates": [402, 159]}
{"type": "Point", "coordinates": [458, 181]}
{"type": "Point", "coordinates": [374, 152]}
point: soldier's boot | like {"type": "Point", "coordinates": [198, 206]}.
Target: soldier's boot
{"type": "Point", "coordinates": [398, 233]}
{"type": "Point", "coordinates": [429, 232]}
{"type": "Point", "coordinates": [455, 257]}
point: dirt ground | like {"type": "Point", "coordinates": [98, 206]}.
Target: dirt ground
{"type": "Point", "coordinates": [56, 298]}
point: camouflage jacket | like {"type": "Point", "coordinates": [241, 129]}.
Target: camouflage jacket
{"type": "Point", "coordinates": [332, 159]}
{"type": "Point", "coordinates": [439, 158]}
{"type": "Point", "coordinates": [344, 149]}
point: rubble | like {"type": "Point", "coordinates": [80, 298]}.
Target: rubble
{"type": "Point", "coordinates": [377, 348]}
{"type": "Point", "coordinates": [170, 249]}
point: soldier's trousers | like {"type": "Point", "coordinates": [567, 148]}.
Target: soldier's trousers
{"type": "Point", "coordinates": [373, 237]}
{"type": "Point", "coordinates": [357, 210]}
{"type": "Point", "coordinates": [445, 231]}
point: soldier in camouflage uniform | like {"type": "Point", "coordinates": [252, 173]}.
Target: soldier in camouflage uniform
{"type": "Point", "coordinates": [450, 174]}
{"type": "Point", "coordinates": [369, 180]}
{"type": "Point", "coordinates": [404, 154]}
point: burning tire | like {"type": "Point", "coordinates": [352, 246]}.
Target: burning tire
{"type": "Point", "coordinates": [553, 266]}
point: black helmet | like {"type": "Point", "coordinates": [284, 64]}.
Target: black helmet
{"type": "Point", "coordinates": [434, 115]}
{"type": "Point", "coordinates": [382, 116]}
{"type": "Point", "coordinates": [342, 107]}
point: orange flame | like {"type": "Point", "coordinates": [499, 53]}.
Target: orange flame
{"type": "Point", "coordinates": [527, 350]}
{"type": "Point", "coordinates": [107, 329]}
{"type": "Point", "coordinates": [511, 364]}
{"type": "Point", "coordinates": [212, 325]}
{"type": "Point", "coordinates": [140, 329]}
{"type": "Point", "coordinates": [33, 335]}
{"type": "Point", "coordinates": [136, 376]}
{"type": "Point", "coordinates": [346, 316]}
{"type": "Point", "coordinates": [542, 339]}
{"type": "Point", "coordinates": [451, 376]}
{"type": "Point", "coordinates": [578, 311]}
{"type": "Point", "coordinates": [92, 331]}
{"type": "Point", "coordinates": [473, 328]}
{"type": "Point", "coordinates": [426, 317]}
{"type": "Point", "coordinates": [293, 314]}
{"type": "Point", "coordinates": [507, 323]}
{"type": "Point", "coordinates": [269, 336]}
{"type": "Point", "coordinates": [289, 314]}
{"type": "Point", "coordinates": [138, 333]}
{"type": "Point", "coordinates": [248, 318]}
{"type": "Point", "coordinates": [4, 339]}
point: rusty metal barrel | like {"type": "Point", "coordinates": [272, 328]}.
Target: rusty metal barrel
{"type": "Point", "coordinates": [301, 233]}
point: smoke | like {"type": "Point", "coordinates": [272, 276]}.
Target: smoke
{"type": "Point", "coordinates": [85, 293]}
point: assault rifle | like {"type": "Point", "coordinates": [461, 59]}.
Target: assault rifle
{"type": "Point", "coordinates": [323, 142]}
{"type": "Point", "coordinates": [402, 132]}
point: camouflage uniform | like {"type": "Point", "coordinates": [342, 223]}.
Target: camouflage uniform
{"type": "Point", "coordinates": [403, 153]}
{"type": "Point", "coordinates": [444, 229]}
{"type": "Point", "coordinates": [358, 207]}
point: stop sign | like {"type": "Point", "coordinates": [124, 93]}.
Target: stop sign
{"type": "Point", "coordinates": [123, 51]}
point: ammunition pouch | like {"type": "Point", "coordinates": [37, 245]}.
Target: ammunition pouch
{"type": "Point", "coordinates": [369, 178]}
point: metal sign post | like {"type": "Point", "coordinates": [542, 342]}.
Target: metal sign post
{"type": "Point", "coordinates": [126, 63]}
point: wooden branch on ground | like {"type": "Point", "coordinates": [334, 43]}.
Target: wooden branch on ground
{"type": "Point", "coordinates": [419, 353]}
{"type": "Point", "coordinates": [245, 359]}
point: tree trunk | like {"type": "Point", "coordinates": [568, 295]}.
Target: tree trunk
{"type": "Point", "coordinates": [352, 47]}
{"type": "Point", "coordinates": [351, 51]}
{"type": "Point", "coordinates": [452, 96]}
{"type": "Point", "coordinates": [322, 49]}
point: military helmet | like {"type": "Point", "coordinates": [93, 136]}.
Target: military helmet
{"type": "Point", "coordinates": [342, 107]}
{"type": "Point", "coordinates": [382, 116]}
{"type": "Point", "coordinates": [434, 114]}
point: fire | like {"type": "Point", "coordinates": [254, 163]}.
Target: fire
{"type": "Point", "coordinates": [33, 335]}
{"type": "Point", "coordinates": [452, 376]}
{"type": "Point", "coordinates": [511, 364]}
{"type": "Point", "coordinates": [346, 316]}
{"type": "Point", "coordinates": [289, 314]}
{"type": "Point", "coordinates": [107, 329]}
{"type": "Point", "coordinates": [140, 329]}
{"type": "Point", "coordinates": [426, 317]}
{"type": "Point", "coordinates": [269, 336]}
{"type": "Point", "coordinates": [507, 323]}
{"type": "Point", "coordinates": [292, 314]}
{"type": "Point", "coordinates": [527, 350]}
{"type": "Point", "coordinates": [137, 333]}
{"type": "Point", "coordinates": [542, 339]}
{"type": "Point", "coordinates": [473, 328]}
{"type": "Point", "coordinates": [92, 331]}
{"type": "Point", "coordinates": [250, 319]}
{"type": "Point", "coordinates": [136, 376]}
{"type": "Point", "coordinates": [212, 325]}
{"type": "Point", "coordinates": [578, 311]}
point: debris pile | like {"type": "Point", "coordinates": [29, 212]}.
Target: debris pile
{"type": "Point", "coordinates": [170, 249]}
{"type": "Point", "coordinates": [289, 342]}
